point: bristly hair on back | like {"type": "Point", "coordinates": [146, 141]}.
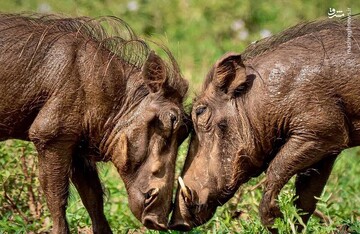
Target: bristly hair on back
{"type": "Point", "coordinates": [270, 43]}
{"type": "Point", "coordinates": [109, 32]}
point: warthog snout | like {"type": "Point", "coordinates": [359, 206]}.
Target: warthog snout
{"type": "Point", "coordinates": [152, 222]}
{"type": "Point", "coordinates": [191, 209]}
{"type": "Point", "coordinates": [178, 220]}
{"type": "Point", "coordinates": [152, 217]}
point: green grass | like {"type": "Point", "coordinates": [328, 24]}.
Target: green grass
{"type": "Point", "coordinates": [197, 32]}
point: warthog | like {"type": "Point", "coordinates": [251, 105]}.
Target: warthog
{"type": "Point", "coordinates": [83, 96]}
{"type": "Point", "coordinates": [288, 105]}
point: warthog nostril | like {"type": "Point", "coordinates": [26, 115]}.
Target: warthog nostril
{"type": "Point", "coordinates": [150, 196]}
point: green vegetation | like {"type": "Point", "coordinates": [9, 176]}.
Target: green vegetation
{"type": "Point", "coordinates": [197, 32]}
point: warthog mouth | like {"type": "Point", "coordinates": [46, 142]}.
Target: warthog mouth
{"type": "Point", "coordinates": [149, 218]}
{"type": "Point", "coordinates": [191, 199]}
{"type": "Point", "coordinates": [193, 208]}
{"type": "Point", "coordinates": [186, 193]}
{"type": "Point", "coordinates": [150, 196]}
{"type": "Point", "coordinates": [152, 222]}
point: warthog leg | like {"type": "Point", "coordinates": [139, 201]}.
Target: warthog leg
{"type": "Point", "coordinates": [297, 154]}
{"type": "Point", "coordinates": [86, 180]}
{"type": "Point", "coordinates": [54, 167]}
{"type": "Point", "coordinates": [55, 132]}
{"type": "Point", "coordinates": [310, 184]}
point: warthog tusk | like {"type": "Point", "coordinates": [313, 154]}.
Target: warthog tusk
{"type": "Point", "coordinates": [155, 192]}
{"type": "Point", "coordinates": [183, 188]}
{"type": "Point", "coordinates": [181, 182]}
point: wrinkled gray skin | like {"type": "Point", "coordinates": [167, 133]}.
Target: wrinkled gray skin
{"type": "Point", "coordinates": [288, 106]}
{"type": "Point", "coordinates": [79, 103]}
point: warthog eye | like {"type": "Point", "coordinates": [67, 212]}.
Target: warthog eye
{"type": "Point", "coordinates": [173, 118]}
{"type": "Point", "coordinates": [200, 110]}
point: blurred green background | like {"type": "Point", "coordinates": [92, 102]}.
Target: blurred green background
{"type": "Point", "coordinates": [197, 32]}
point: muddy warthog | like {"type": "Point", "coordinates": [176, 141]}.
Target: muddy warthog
{"type": "Point", "coordinates": [83, 96]}
{"type": "Point", "coordinates": [288, 105]}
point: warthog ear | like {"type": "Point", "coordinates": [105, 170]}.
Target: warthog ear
{"type": "Point", "coordinates": [154, 72]}
{"type": "Point", "coordinates": [230, 74]}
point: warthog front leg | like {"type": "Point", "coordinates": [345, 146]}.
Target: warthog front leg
{"type": "Point", "coordinates": [86, 180]}
{"type": "Point", "coordinates": [295, 156]}
{"type": "Point", "coordinates": [54, 168]}
{"type": "Point", "coordinates": [310, 184]}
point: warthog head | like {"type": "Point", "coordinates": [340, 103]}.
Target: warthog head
{"type": "Point", "coordinates": [144, 145]}
{"type": "Point", "coordinates": [219, 146]}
